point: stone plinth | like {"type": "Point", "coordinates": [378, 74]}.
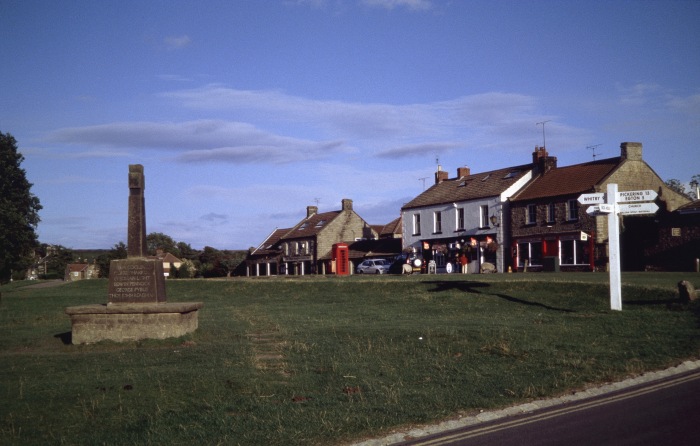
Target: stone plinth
{"type": "Point", "coordinates": [136, 280]}
{"type": "Point", "coordinates": [121, 322]}
{"type": "Point", "coordinates": [136, 305]}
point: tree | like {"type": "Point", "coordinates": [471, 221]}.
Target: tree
{"type": "Point", "coordinates": [679, 186]}
{"type": "Point", "coordinates": [186, 251]}
{"type": "Point", "coordinates": [694, 184]}
{"type": "Point", "coordinates": [19, 211]}
{"type": "Point", "coordinates": [117, 252]}
{"type": "Point", "coordinates": [676, 185]}
{"type": "Point", "coordinates": [158, 240]}
{"type": "Point", "coordinates": [57, 259]}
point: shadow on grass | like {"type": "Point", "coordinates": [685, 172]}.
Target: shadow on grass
{"type": "Point", "coordinates": [473, 287]}
{"type": "Point", "coordinates": [670, 303]}
{"type": "Point", "coordinates": [66, 338]}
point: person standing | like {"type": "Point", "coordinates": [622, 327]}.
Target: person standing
{"type": "Point", "coordinates": [464, 263]}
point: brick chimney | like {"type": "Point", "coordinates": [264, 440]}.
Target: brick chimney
{"type": "Point", "coordinates": [462, 172]}
{"type": "Point", "coordinates": [631, 151]}
{"type": "Point", "coordinates": [440, 175]}
{"type": "Point", "coordinates": [347, 204]}
{"type": "Point", "coordinates": [540, 152]}
{"type": "Point", "coordinates": [311, 210]}
{"type": "Point", "coordinates": [542, 161]}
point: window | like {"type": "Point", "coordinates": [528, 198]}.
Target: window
{"type": "Point", "coordinates": [531, 214]}
{"type": "Point", "coordinates": [551, 213]}
{"type": "Point", "coordinates": [530, 252]}
{"type": "Point", "coordinates": [320, 223]}
{"type": "Point", "coordinates": [437, 222]}
{"type": "Point", "coordinates": [572, 206]}
{"type": "Point", "coordinates": [416, 224]}
{"type": "Point", "coordinates": [484, 216]}
{"type": "Point", "coordinates": [460, 219]}
{"type": "Point", "coordinates": [574, 252]}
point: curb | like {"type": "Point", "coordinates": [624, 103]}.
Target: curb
{"type": "Point", "coordinates": [417, 433]}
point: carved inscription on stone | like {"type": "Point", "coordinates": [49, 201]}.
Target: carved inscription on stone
{"type": "Point", "coordinates": [136, 281]}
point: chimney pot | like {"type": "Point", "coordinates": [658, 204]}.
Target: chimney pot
{"type": "Point", "coordinates": [311, 210]}
{"type": "Point", "coordinates": [441, 175]}
{"type": "Point", "coordinates": [463, 172]}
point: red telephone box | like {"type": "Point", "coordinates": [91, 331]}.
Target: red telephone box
{"type": "Point", "coordinates": [341, 259]}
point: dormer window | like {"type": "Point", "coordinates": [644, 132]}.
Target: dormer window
{"type": "Point", "coordinates": [320, 223]}
{"type": "Point", "coordinates": [486, 177]}
{"type": "Point", "coordinates": [304, 226]}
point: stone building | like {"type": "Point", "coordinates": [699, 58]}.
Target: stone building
{"type": "Point", "coordinates": [81, 271]}
{"type": "Point", "coordinates": [465, 214]}
{"type": "Point", "coordinates": [306, 248]}
{"type": "Point", "coordinates": [551, 229]}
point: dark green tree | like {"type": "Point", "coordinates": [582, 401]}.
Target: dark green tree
{"type": "Point", "coordinates": [19, 211]}
{"type": "Point", "coordinates": [158, 240]}
{"type": "Point", "coordinates": [57, 259]}
{"type": "Point", "coordinates": [117, 252]}
{"type": "Point", "coordinates": [186, 251]}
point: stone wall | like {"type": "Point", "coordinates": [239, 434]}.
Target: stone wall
{"type": "Point", "coordinates": [346, 227]}
{"type": "Point", "coordinates": [520, 227]}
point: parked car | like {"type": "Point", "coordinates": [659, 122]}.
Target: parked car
{"type": "Point", "coordinates": [407, 263]}
{"type": "Point", "coordinates": [373, 266]}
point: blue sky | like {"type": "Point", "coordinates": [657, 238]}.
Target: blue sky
{"type": "Point", "coordinates": [245, 112]}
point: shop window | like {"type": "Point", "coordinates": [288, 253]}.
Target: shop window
{"type": "Point", "coordinates": [574, 252]}
{"type": "Point", "coordinates": [530, 251]}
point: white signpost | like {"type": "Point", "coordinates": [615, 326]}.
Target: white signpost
{"type": "Point", "coordinates": [637, 208]}
{"type": "Point", "coordinates": [636, 196]}
{"type": "Point", "coordinates": [596, 198]}
{"type": "Point", "coordinates": [633, 203]}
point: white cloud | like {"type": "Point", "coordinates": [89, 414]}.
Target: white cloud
{"type": "Point", "coordinates": [464, 117]}
{"type": "Point", "coordinates": [276, 128]}
{"type": "Point", "coordinates": [414, 5]}
{"type": "Point", "coordinates": [435, 148]}
{"type": "Point", "coordinates": [201, 141]}
{"type": "Point", "coordinates": [177, 42]}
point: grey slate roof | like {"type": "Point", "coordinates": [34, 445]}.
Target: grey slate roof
{"type": "Point", "coordinates": [311, 226]}
{"type": "Point", "coordinates": [471, 187]}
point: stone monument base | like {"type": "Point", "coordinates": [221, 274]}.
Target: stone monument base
{"type": "Point", "coordinates": [132, 321]}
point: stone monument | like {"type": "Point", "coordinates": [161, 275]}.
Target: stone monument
{"type": "Point", "coordinates": [136, 306]}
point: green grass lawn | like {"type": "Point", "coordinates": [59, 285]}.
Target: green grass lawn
{"type": "Point", "coordinates": [328, 360]}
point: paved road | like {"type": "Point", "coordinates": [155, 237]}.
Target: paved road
{"type": "Point", "coordinates": [665, 412]}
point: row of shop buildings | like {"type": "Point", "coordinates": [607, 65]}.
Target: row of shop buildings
{"type": "Point", "coordinates": [517, 218]}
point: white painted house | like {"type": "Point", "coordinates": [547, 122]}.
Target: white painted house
{"type": "Point", "coordinates": [464, 215]}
